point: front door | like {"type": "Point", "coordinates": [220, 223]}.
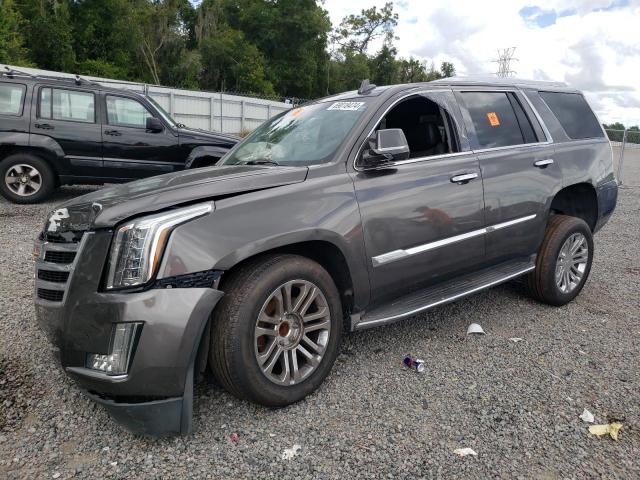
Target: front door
{"type": "Point", "coordinates": [519, 172]}
{"type": "Point", "coordinates": [422, 220]}
{"type": "Point", "coordinates": [130, 150]}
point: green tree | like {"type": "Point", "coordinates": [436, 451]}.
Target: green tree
{"type": "Point", "coordinates": [49, 33]}
{"type": "Point", "coordinates": [447, 69]}
{"type": "Point", "coordinates": [104, 48]}
{"type": "Point", "coordinates": [292, 37]}
{"type": "Point", "coordinates": [356, 32]}
{"type": "Point", "coordinates": [12, 49]}
{"type": "Point", "coordinates": [232, 63]}
{"type": "Point", "coordinates": [384, 66]}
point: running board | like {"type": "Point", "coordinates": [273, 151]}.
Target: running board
{"type": "Point", "coordinates": [446, 292]}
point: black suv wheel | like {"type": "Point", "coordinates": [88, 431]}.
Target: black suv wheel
{"type": "Point", "coordinates": [26, 178]}
{"type": "Point", "coordinates": [277, 331]}
{"type": "Point", "coordinates": [563, 262]}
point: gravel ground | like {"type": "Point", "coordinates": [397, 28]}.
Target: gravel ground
{"type": "Point", "coordinates": [515, 403]}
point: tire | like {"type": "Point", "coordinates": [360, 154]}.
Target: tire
{"type": "Point", "coordinates": [38, 182]}
{"type": "Point", "coordinates": [235, 342]}
{"type": "Point", "coordinates": [555, 280]}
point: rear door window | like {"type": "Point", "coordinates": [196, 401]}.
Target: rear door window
{"type": "Point", "coordinates": [498, 119]}
{"type": "Point", "coordinates": [574, 114]}
{"type": "Point", "coordinates": [11, 98]}
{"type": "Point", "coordinates": [68, 105]}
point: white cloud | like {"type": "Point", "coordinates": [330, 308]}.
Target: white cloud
{"type": "Point", "coordinates": [590, 44]}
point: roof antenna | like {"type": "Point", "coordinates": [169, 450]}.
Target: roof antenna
{"type": "Point", "coordinates": [366, 87]}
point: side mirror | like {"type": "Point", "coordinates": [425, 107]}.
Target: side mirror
{"type": "Point", "coordinates": [154, 125]}
{"type": "Point", "coordinates": [390, 146]}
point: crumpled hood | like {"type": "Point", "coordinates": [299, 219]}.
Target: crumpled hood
{"type": "Point", "coordinates": [109, 206]}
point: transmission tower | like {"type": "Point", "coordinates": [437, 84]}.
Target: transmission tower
{"type": "Point", "coordinates": [505, 57]}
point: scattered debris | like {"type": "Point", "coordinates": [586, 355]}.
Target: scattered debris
{"type": "Point", "coordinates": [516, 339]}
{"type": "Point", "coordinates": [587, 416]}
{"type": "Point", "coordinates": [56, 475]}
{"type": "Point", "coordinates": [234, 438]}
{"type": "Point", "coordinates": [414, 363]}
{"type": "Point", "coordinates": [463, 452]}
{"type": "Point", "coordinates": [475, 328]}
{"type": "Point", "coordinates": [611, 429]}
{"type": "Point", "coordinates": [289, 453]}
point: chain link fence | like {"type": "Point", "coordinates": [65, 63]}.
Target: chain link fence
{"type": "Point", "coordinates": [625, 143]}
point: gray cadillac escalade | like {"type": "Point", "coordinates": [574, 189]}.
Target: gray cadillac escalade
{"type": "Point", "coordinates": [346, 213]}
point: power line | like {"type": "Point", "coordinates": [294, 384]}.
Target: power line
{"type": "Point", "coordinates": [505, 57]}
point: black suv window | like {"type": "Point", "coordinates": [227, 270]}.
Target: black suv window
{"type": "Point", "coordinates": [498, 119]}
{"type": "Point", "coordinates": [69, 105]}
{"type": "Point", "coordinates": [574, 114]}
{"type": "Point", "coordinates": [11, 98]}
{"type": "Point", "coordinates": [126, 112]}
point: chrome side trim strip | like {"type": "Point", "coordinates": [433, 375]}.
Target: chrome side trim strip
{"type": "Point", "coordinates": [498, 226]}
{"type": "Point", "coordinates": [403, 253]}
{"type": "Point", "coordinates": [378, 321]}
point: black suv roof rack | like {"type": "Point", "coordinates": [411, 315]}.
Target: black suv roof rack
{"type": "Point", "coordinates": [78, 80]}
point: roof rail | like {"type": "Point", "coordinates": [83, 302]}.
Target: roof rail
{"type": "Point", "coordinates": [12, 72]}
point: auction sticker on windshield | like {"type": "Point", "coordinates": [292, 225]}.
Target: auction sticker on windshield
{"type": "Point", "coordinates": [349, 106]}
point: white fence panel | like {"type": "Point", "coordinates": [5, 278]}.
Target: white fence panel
{"type": "Point", "coordinates": [219, 112]}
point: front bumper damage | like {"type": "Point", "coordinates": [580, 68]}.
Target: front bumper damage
{"type": "Point", "coordinates": [155, 396]}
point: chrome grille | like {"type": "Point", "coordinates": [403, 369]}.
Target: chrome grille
{"type": "Point", "coordinates": [54, 267]}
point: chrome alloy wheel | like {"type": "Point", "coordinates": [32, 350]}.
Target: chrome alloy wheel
{"type": "Point", "coordinates": [572, 262]}
{"type": "Point", "coordinates": [23, 180]}
{"type": "Point", "coordinates": [292, 332]}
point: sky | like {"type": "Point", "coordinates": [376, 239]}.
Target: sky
{"type": "Point", "coordinates": [593, 45]}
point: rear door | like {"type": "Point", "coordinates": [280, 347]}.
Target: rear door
{"type": "Point", "coordinates": [130, 150]}
{"type": "Point", "coordinates": [519, 173]}
{"type": "Point", "coordinates": [70, 117]}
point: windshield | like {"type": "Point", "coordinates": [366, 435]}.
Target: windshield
{"type": "Point", "coordinates": [302, 136]}
{"type": "Point", "coordinates": [162, 112]}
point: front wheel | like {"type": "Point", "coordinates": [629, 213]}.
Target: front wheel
{"type": "Point", "coordinates": [563, 262]}
{"type": "Point", "coordinates": [277, 331]}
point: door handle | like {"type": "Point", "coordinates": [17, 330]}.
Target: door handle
{"type": "Point", "coordinates": [44, 126]}
{"type": "Point", "coordinates": [463, 178]}
{"type": "Point", "coordinates": [113, 133]}
{"type": "Point", "coordinates": [543, 163]}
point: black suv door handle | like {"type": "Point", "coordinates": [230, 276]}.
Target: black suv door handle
{"type": "Point", "coordinates": [463, 178]}
{"type": "Point", "coordinates": [44, 126]}
{"type": "Point", "coordinates": [113, 133]}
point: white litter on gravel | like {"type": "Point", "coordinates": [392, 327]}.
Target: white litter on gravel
{"type": "Point", "coordinates": [587, 416]}
{"type": "Point", "coordinates": [289, 453]}
{"type": "Point", "coordinates": [463, 452]}
{"type": "Point", "coordinates": [475, 328]}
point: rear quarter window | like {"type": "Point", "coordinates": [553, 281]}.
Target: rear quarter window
{"type": "Point", "coordinates": [11, 98]}
{"type": "Point", "coordinates": [574, 114]}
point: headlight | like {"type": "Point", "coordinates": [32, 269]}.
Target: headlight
{"type": "Point", "coordinates": [137, 248]}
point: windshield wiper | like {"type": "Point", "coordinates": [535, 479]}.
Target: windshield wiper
{"type": "Point", "coordinates": [261, 162]}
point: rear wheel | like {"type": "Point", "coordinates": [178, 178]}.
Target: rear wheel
{"type": "Point", "coordinates": [26, 178]}
{"type": "Point", "coordinates": [563, 262]}
{"type": "Point", "coordinates": [277, 331]}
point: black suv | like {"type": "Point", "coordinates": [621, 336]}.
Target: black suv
{"type": "Point", "coordinates": [352, 211]}
{"type": "Point", "coordinates": [56, 131]}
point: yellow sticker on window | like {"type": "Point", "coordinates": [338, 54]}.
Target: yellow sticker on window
{"type": "Point", "coordinates": [494, 121]}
